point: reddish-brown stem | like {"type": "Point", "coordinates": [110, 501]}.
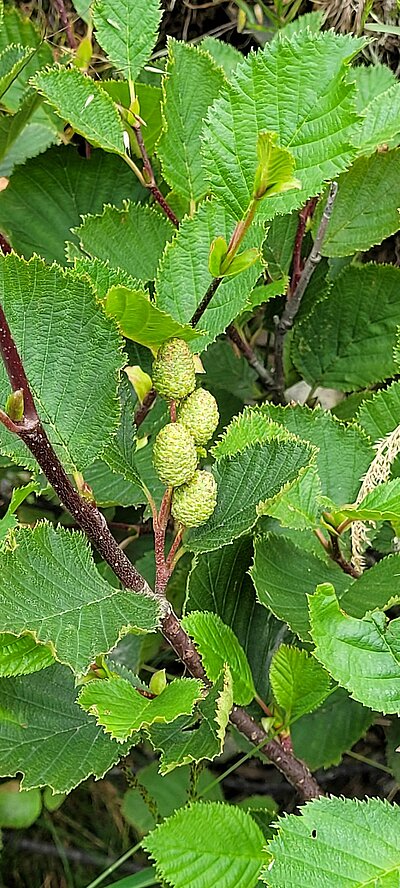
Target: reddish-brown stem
{"type": "Point", "coordinates": [15, 370]}
{"type": "Point", "coordinates": [173, 550]}
{"type": "Point", "coordinates": [172, 410]}
{"type": "Point", "coordinates": [4, 245]}
{"type": "Point", "coordinates": [297, 265]}
{"type": "Point", "coordinates": [145, 407]}
{"type": "Point", "coordinates": [251, 358]}
{"type": "Point", "coordinates": [59, 4]}
{"type": "Point", "coordinates": [149, 178]}
{"type": "Point", "coordinates": [337, 556]}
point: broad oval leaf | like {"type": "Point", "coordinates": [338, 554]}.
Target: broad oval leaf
{"type": "Point", "coordinates": [140, 320]}
{"type": "Point", "coordinates": [127, 31]}
{"type": "Point", "coordinates": [298, 682]}
{"type": "Point", "coordinates": [218, 644]}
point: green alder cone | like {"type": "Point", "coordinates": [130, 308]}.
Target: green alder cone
{"type": "Point", "coordinates": [199, 414]}
{"type": "Point", "coordinates": [174, 455]}
{"type": "Point", "coordinates": [194, 503]}
{"type": "Point", "coordinates": [173, 370]}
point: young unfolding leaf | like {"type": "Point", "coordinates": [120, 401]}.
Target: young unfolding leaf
{"type": "Point", "coordinates": [51, 588]}
{"type": "Point", "coordinates": [298, 682]}
{"type": "Point", "coordinates": [20, 655]}
{"type": "Point", "coordinates": [132, 239]}
{"type": "Point", "coordinates": [45, 736]}
{"type": "Point", "coordinates": [274, 173]}
{"type": "Point", "coordinates": [84, 104]}
{"type": "Point", "coordinates": [192, 82]}
{"type": "Point", "coordinates": [347, 344]}
{"type": "Point", "coordinates": [127, 32]}
{"type": "Point", "coordinates": [218, 644]}
{"type": "Point", "coordinates": [361, 655]}
{"type": "Point", "coordinates": [184, 741]}
{"type": "Point", "coordinates": [381, 504]}
{"type": "Point", "coordinates": [121, 709]}
{"type": "Point", "coordinates": [81, 414]}
{"type": "Point", "coordinates": [298, 89]}
{"type": "Point", "coordinates": [140, 320]}
{"type": "Point", "coordinates": [354, 843]}
{"type": "Point", "coordinates": [220, 840]}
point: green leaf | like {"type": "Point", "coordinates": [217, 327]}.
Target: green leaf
{"type": "Point", "coordinates": [121, 709]}
{"type": "Point", "coordinates": [21, 655]}
{"type": "Point", "coordinates": [84, 104]}
{"type": "Point", "coordinates": [138, 319]}
{"type": "Point", "coordinates": [183, 275]}
{"type": "Point", "coordinates": [361, 655]}
{"type": "Point", "coordinates": [381, 504]}
{"type": "Point", "coordinates": [298, 682]}
{"type": "Point", "coordinates": [283, 575]}
{"type": "Point", "coordinates": [380, 415]}
{"type": "Point", "coordinates": [46, 197]}
{"type": "Point", "coordinates": [132, 239]}
{"type": "Point", "coordinates": [310, 21]}
{"type": "Point", "coordinates": [192, 81]}
{"type": "Point", "coordinates": [221, 840]}
{"type": "Point", "coordinates": [9, 521]}
{"type": "Point", "coordinates": [346, 343]}
{"type": "Point", "coordinates": [321, 737]}
{"type": "Point", "coordinates": [143, 879]}
{"type": "Point", "coordinates": [51, 588]}
{"type": "Point", "coordinates": [18, 810]}
{"type": "Point", "coordinates": [381, 123]}
{"type": "Point", "coordinates": [224, 54]}
{"type": "Point", "coordinates": [371, 81]}
{"type": "Point", "coordinates": [297, 89]}
{"type": "Point", "coordinates": [12, 60]}
{"type": "Point", "coordinates": [80, 415]}
{"type": "Point", "coordinates": [46, 736]}
{"type": "Point", "coordinates": [218, 644]}
{"type": "Point", "coordinates": [112, 489]}
{"type": "Point", "coordinates": [184, 741]}
{"type": "Point", "coordinates": [297, 505]}
{"type": "Point", "coordinates": [279, 244]}
{"type": "Point", "coordinates": [336, 443]}
{"type": "Point", "coordinates": [103, 275]}
{"type": "Point", "coordinates": [274, 173]}
{"type": "Point", "coordinates": [261, 294]}
{"type": "Point", "coordinates": [244, 480]}
{"type": "Point", "coordinates": [353, 843]}
{"type": "Point", "coordinates": [18, 28]}
{"type": "Point", "coordinates": [127, 32]}
{"type": "Point", "coordinates": [392, 747]}
{"type": "Point", "coordinates": [24, 134]}
{"type": "Point", "coordinates": [375, 588]}
{"type": "Point", "coordinates": [149, 98]}
{"type": "Point", "coordinates": [228, 373]}
{"type": "Point", "coordinates": [355, 224]}
{"type": "Point", "coordinates": [219, 582]}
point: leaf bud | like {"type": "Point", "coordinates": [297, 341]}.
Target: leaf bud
{"type": "Point", "coordinates": [194, 503]}
{"type": "Point", "coordinates": [174, 455]}
{"type": "Point", "coordinates": [199, 414]}
{"type": "Point", "coordinates": [173, 370]}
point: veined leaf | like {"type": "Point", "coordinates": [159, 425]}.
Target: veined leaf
{"type": "Point", "coordinates": [381, 123]}
{"type": "Point", "coordinates": [354, 843]}
{"type": "Point", "coordinates": [20, 655]}
{"type": "Point", "coordinates": [347, 344]}
{"type": "Point", "coordinates": [121, 709]}
{"type": "Point", "coordinates": [140, 320]}
{"type": "Point", "coordinates": [218, 644]}
{"type": "Point", "coordinates": [15, 27]}
{"type": "Point", "coordinates": [321, 737]}
{"type": "Point", "coordinates": [46, 736]}
{"type": "Point", "coordinates": [12, 60]}
{"type": "Point", "coordinates": [182, 742]}
{"type": "Point", "coordinates": [381, 504]}
{"type": "Point", "coordinates": [46, 197]}
{"type": "Point", "coordinates": [132, 239]}
{"type": "Point", "coordinates": [361, 655]}
{"type": "Point", "coordinates": [371, 81]}
{"type": "Point", "coordinates": [284, 574]}
{"type": "Point", "coordinates": [355, 224]}
{"type": "Point", "coordinates": [192, 81]}
{"type": "Point", "coordinates": [80, 415]}
{"type": "Point", "coordinates": [244, 480]}
{"type": "Point", "coordinates": [298, 89]}
{"type": "Point", "coordinates": [84, 104]}
{"type": "Point", "coordinates": [380, 415]}
{"type": "Point", "coordinates": [297, 505]}
{"type": "Point", "coordinates": [219, 582]}
{"type": "Point", "coordinates": [248, 428]}
{"type": "Point", "coordinates": [298, 682]}
{"type": "Point", "coordinates": [279, 243]}
{"type": "Point", "coordinates": [222, 840]}
{"type": "Point", "coordinates": [261, 294]}
{"type": "Point", "coordinates": [377, 587]}
{"type": "Point", "coordinates": [103, 276]}
{"type": "Point", "coordinates": [127, 32]}
{"type": "Point", "coordinates": [183, 276]}
{"type": "Point", "coordinates": [224, 54]}
{"type": "Point", "coordinates": [25, 134]}
{"type": "Point", "coordinates": [9, 521]}
{"type": "Point", "coordinates": [51, 588]}
{"type": "Point", "coordinates": [149, 98]}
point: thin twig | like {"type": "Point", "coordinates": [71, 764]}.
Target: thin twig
{"type": "Point", "coordinates": [251, 358]}
{"type": "Point", "coordinates": [59, 4]}
{"type": "Point", "coordinates": [212, 289]}
{"type": "Point", "coordinates": [94, 525]}
{"type": "Point", "coordinates": [145, 406]}
{"type": "Point", "coordinates": [150, 180]}
{"type": "Point", "coordinates": [293, 301]}
{"type": "Point", "coordinates": [336, 555]}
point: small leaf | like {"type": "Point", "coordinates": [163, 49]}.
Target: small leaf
{"type": "Point", "coordinates": [127, 32]}
{"type": "Point", "coordinates": [84, 104]}
{"type": "Point", "coordinates": [20, 655]}
{"type": "Point", "coordinates": [354, 843]}
{"type": "Point", "coordinates": [274, 173]}
{"type": "Point", "coordinates": [12, 60]}
{"type": "Point", "coordinates": [381, 504]}
{"type": "Point", "coordinates": [218, 251]}
{"type": "Point", "coordinates": [138, 319]}
{"type": "Point", "coordinates": [185, 741]}
{"type": "Point", "coordinates": [361, 655]}
{"type": "Point", "coordinates": [218, 644]}
{"type": "Point", "coordinates": [298, 682]}
{"type": "Point", "coordinates": [381, 123]}
{"type": "Point", "coordinates": [140, 381]}
{"type": "Point", "coordinates": [122, 709]}
{"type": "Point", "coordinates": [9, 520]}
{"type": "Point", "coordinates": [240, 262]}
{"type": "Point", "coordinates": [221, 840]}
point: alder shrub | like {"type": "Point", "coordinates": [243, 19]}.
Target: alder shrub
{"type": "Point", "coordinates": [182, 255]}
